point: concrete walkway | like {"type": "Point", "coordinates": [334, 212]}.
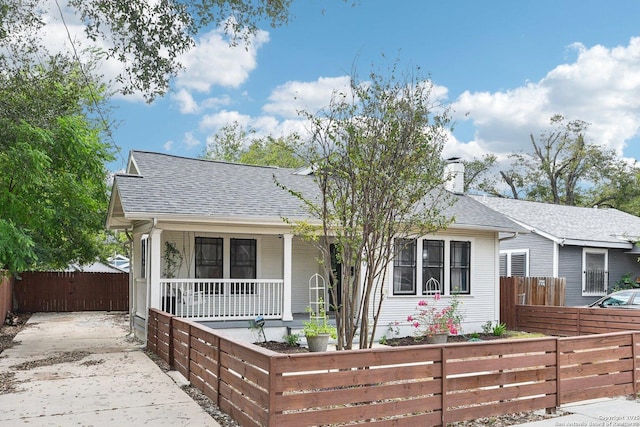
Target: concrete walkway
{"type": "Point", "coordinates": [613, 412]}
{"type": "Point", "coordinates": [81, 369]}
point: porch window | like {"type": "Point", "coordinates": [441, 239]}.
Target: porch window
{"type": "Point", "coordinates": [432, 266]}
{"type": "Point", "coordinates": [460, 274]}
{"type": "Point", "coordinates": [404, 267]}
{"type": "Point", "coordinates": [243, 264]}
{"type": "Point", "coordinates": [209, 258]}
{"type": "Point", "coordinates": [594, 272]}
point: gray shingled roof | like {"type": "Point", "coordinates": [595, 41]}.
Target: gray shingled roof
{"type": "Point", "coordinates": [184, 187]}
{"type": "Point", "coordinates": [194, 187]}
{"type": "Point", "coordinates": [571, 224]}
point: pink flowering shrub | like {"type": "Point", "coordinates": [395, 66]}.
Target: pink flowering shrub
{"type": "Point", "coordinates": [430, 320]}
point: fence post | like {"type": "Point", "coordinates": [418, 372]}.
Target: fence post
{"type": "Point", "coordinates": [443, 400]}
{"type": "Point", "coordinates": [634, 353]}
{"type": "Point", "coordinates": [171, 346]}
{"type": "Point", "coordinates": [558, 382]}
{"type": "Point", "coordinates": [218, 369]}
{"type": "Point", "coordinates": [189, 353]}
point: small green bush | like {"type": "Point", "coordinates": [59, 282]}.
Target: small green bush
{"type": "Point", "coordinates": [499, 329]}
{"type": "Point", "coordinates": [292, 340]}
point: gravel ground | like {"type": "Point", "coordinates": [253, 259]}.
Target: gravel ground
{"type": "Point", "coordinates": [8, 383]}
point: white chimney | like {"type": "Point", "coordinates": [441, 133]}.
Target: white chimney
{"type": "Point", "coordinates": [454, 175]}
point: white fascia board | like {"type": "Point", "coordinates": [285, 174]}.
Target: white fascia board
{"type": "Point", "coordinates": [467, 227]}
{"type": "Point", "coordinates": [597, 244]}
{"type": "Point", "coordinates": [213, 220]}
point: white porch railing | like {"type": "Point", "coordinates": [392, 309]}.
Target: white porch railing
{"type": "Point", "coordinates": [222, 299]}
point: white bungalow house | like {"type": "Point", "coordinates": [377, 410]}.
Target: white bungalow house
{"type": "Point", "coordinates": [210, 243]}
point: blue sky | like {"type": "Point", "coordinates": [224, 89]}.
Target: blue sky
{"type": "Point", "coordinates": [504, 67]}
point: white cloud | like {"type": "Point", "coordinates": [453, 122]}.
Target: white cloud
{"type": "Point", "coordinates": [188, 105]}
{"type": "Point", "coordinates": [214, 62]}
{"type": "Point", "coordinates": [190, 141]}
{"type": "Point", "coordinates": [168, 146]}
{"type": "Point", "coordinates": [286, 100]}
{"type": "Point", "coordinates": [601, 87]}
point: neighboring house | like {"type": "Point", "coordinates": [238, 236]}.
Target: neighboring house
{"type": "Point", "coordinates": [120, 262]}
{"type": "Point", "coordinates": [95, 267]}
{"type": "Point", "coordinates": [590, 247]}
{"type": "Point", "coordinates": [210, 242]}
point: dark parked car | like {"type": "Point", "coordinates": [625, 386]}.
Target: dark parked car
{"type": "Point", "coordinates": [629, 298]}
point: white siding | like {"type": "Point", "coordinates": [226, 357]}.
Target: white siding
{"type": "Point", "coordinates": [184, 244]}
{"type": "Point", "coordinates": [305, 264]}
{"type": "Point", "coordinates": [270, 257]}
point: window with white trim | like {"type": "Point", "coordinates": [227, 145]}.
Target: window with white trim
{"type": "Point", "coordinates": [460, 264]}
{"type": "Point", "coordinates": [595, 274]}
{"type": "Point", "coordinates": [514, 263]}
{"type": "Point", "coordinates": [442, 266]}
{"type": "Point", "coordinates": [432, 266]}
{"type": "Point", "coordinates": [404, 267]}
{"type": "Point", "coordinates": [243, 264]}
{"type": "Point", "coordinates": [209, 258]}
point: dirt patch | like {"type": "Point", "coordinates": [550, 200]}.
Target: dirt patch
{"type": "Point", "coordinates": [8, 382]}
{"type": "Point", "coordinates": [66, 357]}
{"type": "Point", "coordinates": [9, 331]}
{"type": "Point", "coordinates": [282, 347]}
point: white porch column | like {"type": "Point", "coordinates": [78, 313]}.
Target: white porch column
{"type": "Point", "coordinates": [155, 261]}
{"type": "Point", "coordinates": [286, 298]}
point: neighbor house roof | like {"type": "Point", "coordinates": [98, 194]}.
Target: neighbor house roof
{"type": "Point", "coordinates": [184, 189]}
{"type": "Point", "coordinates": [601, 227]}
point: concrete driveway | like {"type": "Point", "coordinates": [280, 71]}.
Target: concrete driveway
{"type": "Point", "coordinates": [82, 369]}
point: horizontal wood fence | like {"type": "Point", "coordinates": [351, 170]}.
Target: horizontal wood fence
{"type": "Point", "coordinates": [71, 291]}
{"type": "Point", "coordinates": [571, 321]}
{"type": "Point", "coordinates": [426, 385]}
{"type": "Point", "coordinates": [530, 291]}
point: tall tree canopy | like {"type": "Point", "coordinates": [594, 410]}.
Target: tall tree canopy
{"type": "Point", "coordinates": [233, 143]}
{"type": "Point", "coordinates": [561, 168]}
{"type": "Point", "coordinates": [146, 37]}
{"type": "Point", "coordinates": [376, 157]}
{"type": "Point", "coordinates": [53, 179]}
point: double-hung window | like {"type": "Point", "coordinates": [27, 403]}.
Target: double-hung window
{"type": "Point", "coordinates": [243, 264]}
{"type": "Point", "coordinates": [432, 266]}
{"type": "Point", "coordinates": [460, 262]}
{"type": "Point", "coordinates": [595, 274]}
{"type": "Point", "coordinates": [404, 267]}
{"type": "Point", "coordinates": [514, 263]}
{"type": "Point", "coordinates": [209, 260]}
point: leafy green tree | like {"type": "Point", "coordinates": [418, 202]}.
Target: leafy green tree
{"type": "Point", "coordinates": [376, 157]}
{"type": "Point", "coordinates": [233, 143]}
{"type": "Point", "coordinates": [619, 188]}
{"type": "Point", "coordinates": [146, 37]}
{"type": "Point", "coordinates": [561, 168]}
{"type": "Point", "coordinates": [53, 180]}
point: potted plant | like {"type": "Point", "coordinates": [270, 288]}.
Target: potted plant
{"type": "Point", "coordinates": [317, 330]}
{"type": "Point", "coordinates": [436, 324]}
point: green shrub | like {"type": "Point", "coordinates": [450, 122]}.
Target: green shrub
{"type": "Point", "coordinates": [499, 329]}
{"type": "Point", "coordinates": [292, 340]}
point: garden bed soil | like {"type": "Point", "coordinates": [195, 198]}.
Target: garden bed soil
{"type": "Point", "coordinates": [283, 347]}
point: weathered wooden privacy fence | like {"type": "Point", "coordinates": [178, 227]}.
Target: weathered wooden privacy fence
{"type": "Point", "coordinates": [529, 291]}
{"type": "Point", "coordinates": [71, 291]}
{"type": "Point", "coordinates": [424, 385]}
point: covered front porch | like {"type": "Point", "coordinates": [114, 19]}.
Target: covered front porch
{"type": "Point", "coordinates": [224, 299]}
{"type": "Point", "coordinates": [281, 262]}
